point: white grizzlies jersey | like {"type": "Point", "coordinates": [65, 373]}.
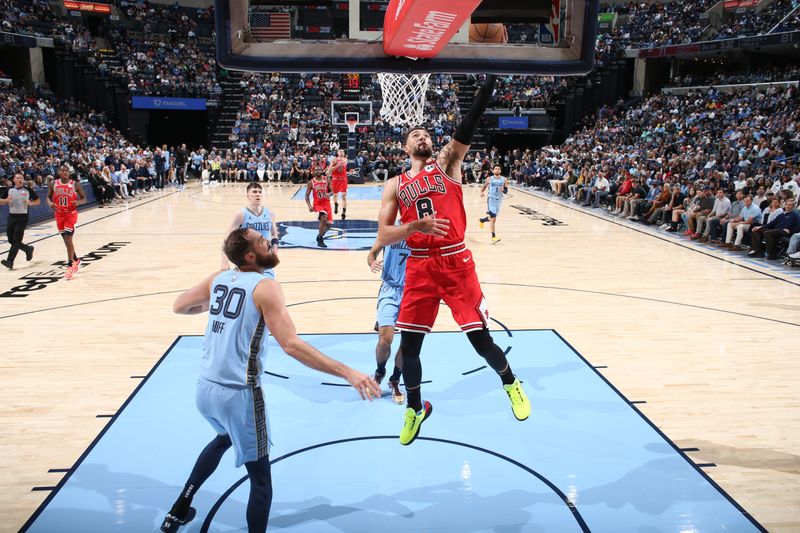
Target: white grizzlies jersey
{"type": "Point", "coordinates": [235, 342]}
{"type": "Point", "coordinates": [261, 223]}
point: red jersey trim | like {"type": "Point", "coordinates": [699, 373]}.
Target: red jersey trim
{"type": "Point", "coordinates": [445, 174]}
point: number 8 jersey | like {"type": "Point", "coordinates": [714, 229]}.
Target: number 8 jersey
{"type": "Point", "coordinates": [235, 342]}
{"type": "Point", "coordinates": [432, 192]}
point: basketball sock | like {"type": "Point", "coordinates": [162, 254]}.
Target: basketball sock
{"type": "Point", "coordinates": [396, 374]}
{"type": "Point", "coordinates": [411, 345]}
{"type": "Point", "coordinates": [507, 377]}
{"type": "Point", "coordinates": [414, 399]}
{"type": "Point", "coordinates": [381, 368]}
{"type": "Point", "coordinates": [493, 234]}
{"type": "Point", "coordinates": [482, 341]}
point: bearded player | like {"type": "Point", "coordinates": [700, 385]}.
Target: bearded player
{"type": "Point", "coordinates": [430, 201]}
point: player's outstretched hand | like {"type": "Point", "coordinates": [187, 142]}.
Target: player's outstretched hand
{"type": "Point", "coordinates": [364, 384]}
{"type": "Point", "coordinates": [376, 266]}
{"type": "Point", "coordinates": [430, 225]}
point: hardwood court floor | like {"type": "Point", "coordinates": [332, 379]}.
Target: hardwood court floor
{"type": "Point", "coordinates": [711, 346]}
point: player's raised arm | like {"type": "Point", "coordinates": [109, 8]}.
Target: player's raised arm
{"type": "Point", "coordinates": [451, 156]}
{"type": "Point", "coordinates": [269, 298]}
{"type": "Point", "coordinates": [195, 300]}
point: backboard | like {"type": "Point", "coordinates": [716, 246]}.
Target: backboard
{"type": "Point", "coordinates": [342, 109]}
{"type": "Point", "coordinates": [546, 37]}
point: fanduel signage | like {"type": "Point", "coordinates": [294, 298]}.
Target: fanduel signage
{"type": "Point", "coordinates": [512, 123]}
{"type": "Point", "coordinates": [168, 104]}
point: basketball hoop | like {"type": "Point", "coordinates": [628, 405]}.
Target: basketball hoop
{"type": "Point", "coordinates": [351, 124]}
{"type": "Point", "coordinates": [403, 98]}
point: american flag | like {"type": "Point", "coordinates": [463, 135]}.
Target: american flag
{"type": "Point", "coordinates": [271, 25]}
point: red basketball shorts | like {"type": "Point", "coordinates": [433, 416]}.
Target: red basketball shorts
{"type": "Point", "coordinates": [323, 208]}
{"type": "Point", "coordinates": [339, 185]}
{"type": "Point", "coordinates": [450, 278]}
{"type": "Point", "coordinates": [65, 222]}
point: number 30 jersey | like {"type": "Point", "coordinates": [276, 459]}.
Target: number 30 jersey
{"type": "Point", "coordinates": [432, 192]}
{"type": "Point", "coordinates": [234, 347]}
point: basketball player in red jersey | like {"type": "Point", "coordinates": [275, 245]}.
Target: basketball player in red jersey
{"type": "Point", "coordinates": [338, 172]}
{"type": "Point", "coordinates": [431, 205]}
{"type": "Point", "coordinates": [320, 188]}
{"type": "Point", "coordinates": [64, 196]}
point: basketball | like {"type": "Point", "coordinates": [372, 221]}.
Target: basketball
{"type": "Point", "coordinates": [488, 33]}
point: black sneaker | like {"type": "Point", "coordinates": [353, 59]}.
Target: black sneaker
{"type": "Point", "coordinates": [29, 253]}
{"type": "Point", "coordinates": [172, 523]}
{"type": "Point", "coordinates": [321, 242]}
{"type": "Point", "coordinates": [6, 263]}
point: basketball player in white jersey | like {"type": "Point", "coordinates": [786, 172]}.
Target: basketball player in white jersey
{"type": "Point", "coordinates": [255, 216]}
{"type": "Point", "coordinates": [244, 307]}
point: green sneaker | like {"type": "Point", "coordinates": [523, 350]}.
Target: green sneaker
{"type": "Point", "coordinates": [413, 423]}
{"type": "Point", "coordinates": [519, 401]}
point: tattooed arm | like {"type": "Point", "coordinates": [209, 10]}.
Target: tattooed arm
{"type": "Point", "coordinates": [451, 156]}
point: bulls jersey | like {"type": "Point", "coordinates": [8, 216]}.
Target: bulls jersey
{"type": "Point", "coordinates": [261, 223]}
{"type": "Point", "coordinates": [339, 172]}
{"type": "Point", "coordinates": [319, 190]}
{"type": "Point", "coordinates": [64, 196]}
{"type": "Point", "coordinates": [432, 192]}
{"type": "Point", "coordinates": [234, 346]}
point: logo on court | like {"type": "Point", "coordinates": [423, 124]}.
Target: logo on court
{"type": "Point", "coordinates": [535, 215]}
{"type": "Point", "coordinates": [343, 235]}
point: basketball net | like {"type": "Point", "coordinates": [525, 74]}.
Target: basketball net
{"type": "Point", "coordinates": [403, 98]}
{"type": "Point", "coordinates": [351, 125]}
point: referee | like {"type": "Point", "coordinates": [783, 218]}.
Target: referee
{"type": "Point", "coordinates": [18, 198]}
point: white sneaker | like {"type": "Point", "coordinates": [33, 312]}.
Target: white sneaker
{"type": "Point", "coordinates": [795, 255]}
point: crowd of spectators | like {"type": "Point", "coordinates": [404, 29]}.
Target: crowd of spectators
{"type": "Point", "coordinates": [652, 24]}
{"type": "Point", "coordinates": [31, 17]}
{"type": "Point", "coordinates": [752, 23]}
{"type": "Point", "coordinates": [39, 133]}
{"type": "Point", "coordinates": [692, 162]}
{"type": "Point", "coordinates": [765, 74]}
